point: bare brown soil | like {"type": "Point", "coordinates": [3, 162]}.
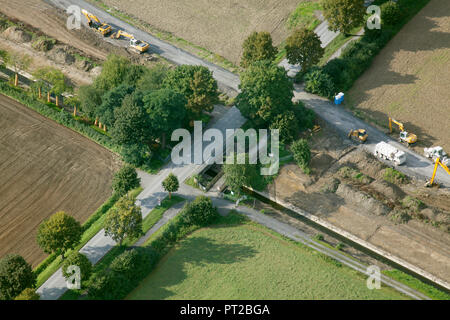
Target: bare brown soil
{"type": "Point", "coordinates": [365, 206]}
{"type": "Point", "coordinates": [217, 25]}
{"type": "Point", "coordinates": [45, 168]}
{"type": "Point", "coordinates": [410, 78]}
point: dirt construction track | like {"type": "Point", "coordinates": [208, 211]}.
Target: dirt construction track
{"type": "Point", "coordinates": [45, 168]}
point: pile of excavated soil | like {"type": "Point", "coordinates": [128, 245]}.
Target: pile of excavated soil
{"type": "Point", "coordinates": [16, 34]}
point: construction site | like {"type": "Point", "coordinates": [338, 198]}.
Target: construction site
{"type": "Point", "coordinates": [384, 182]}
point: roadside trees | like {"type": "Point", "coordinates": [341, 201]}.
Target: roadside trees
{"type": "Point", "coordinates": [59, 233]}
{"type": "Point", "coordinates": [15, 275]}
{"type": "Point", "coordinates": [79, 260]}
{"type": "Point", "coordinates": [266, 92]}
{"type": "Point", "coordinates": [303, 47]}
{"type": "Point", "coordinates": [197, 85]}
{"type": "Point", "coordinates": [166, 110]}
{"type": "Point", "coordinates": [171, 184]}
{"type": "Point", "coordinates": [257, 47]}
{"type": "Point", "coordinates": [125, 180]}
{"type": "Point", "coordinates": [111, 100]}
{"type": "Point", "coordinates": [344, 15]}
{"type": "Point", "coordinates": [124, 220]}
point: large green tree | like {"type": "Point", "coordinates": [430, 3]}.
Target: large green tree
{"type": "Point", "coordinates": [132, 124]}
{"type": "Point", "coordinates": [166, 110]}
{"type": "Point", "coordinates": [257, 47]}
{"type": "Point", "coordinates": [125, 180]}
{"type": "Point", "coordinates": [81, 261]}
{"type": "Point", "coordinates": [112, 100]}
{"type": "Point", "coordinates": [152, 78]}
{"type": "Point", "coordinates": [266, 91]}
{"type": "Point", "coordinates": [288, 125]}
{"type": "Point", "coordinates": [344, 15]}
{"type": "Point", "coordinates": [198, 86]}
{"type": "Point", "coordinates": [171, 184]}
{"type": "Point", "coordinates": [115, 70]}
{"type": "Point", "coordinates": [90, 100]}
{"type": "Point", "coordinates": [59, 233]}
{"type": "Point", "coordinates": [124, 220]}
{"type": "Point", "coordinates": [239, 175]}
{"type": "Point", "coordinates": [55, 78]}
{"type": "Point", "coordinates": [15, 275]}
{"type": "Point", "coordinates": [303, 47]}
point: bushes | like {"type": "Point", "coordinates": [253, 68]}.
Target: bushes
{"type": "Point", "coordinates": [28, 294]}
{"type": "Point", "coordinates": [200, 212]}
{"type": "Point", "coordinates": [302, 154]}
{"type": "Point", "coordinates": [319, 82]}
{"type": "Point", "coordinates": [124, 274]}
{"type": "Point", "coordinates": [390, 13]}
{"type": "Point", "coordinates": [394, 176]}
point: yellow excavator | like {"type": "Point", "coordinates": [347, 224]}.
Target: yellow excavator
{"type": "Point", "coordinates": [405, 136]}
{"type": "Point", "coordinates": [136, 45]}
{"type": "Point", "coordinates": [437, 163]}
{"type": "Point", "coordinates": [359, 135]}
{"type": "Point", "coordinates": [94, 23]}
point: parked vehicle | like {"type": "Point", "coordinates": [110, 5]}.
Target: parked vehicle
{"type": "Point", "coordinates": [437, 152]}
{"type": "Point", "coordinates": [385, 151]}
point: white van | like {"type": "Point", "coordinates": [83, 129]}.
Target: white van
{"type": "Point", "coordinates": [384, 150]}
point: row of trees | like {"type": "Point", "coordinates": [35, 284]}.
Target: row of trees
{"type": "Point", "coordinates": [142, 106]}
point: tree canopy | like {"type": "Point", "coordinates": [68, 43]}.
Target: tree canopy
{"type": "Point", "coordinates": [239, 175]}
{"type": "Point", "coordinates": [257, 47]}
{"type": "Point", "coordinates": [125, 180]}
{"type": "Point", "coordinates": [266, 91]}
{"type": "Point", "coordinates": [124, 220]}
{"type": "Point", "coordinates": [197, 85]}
{"type": "Point", "coordinates": [15, 275]}
{"type": "Point", "coordinates": [171, 184]}
{"type": "Point", "coordinates": [344, 15]}
{"type": "Point", "coordinates": [303, 47]}
{"type": "Point", "coordinates": [59, 233]}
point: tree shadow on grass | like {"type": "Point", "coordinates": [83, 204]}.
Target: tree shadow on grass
{"type": "Point", "coordinates": [195, 251]}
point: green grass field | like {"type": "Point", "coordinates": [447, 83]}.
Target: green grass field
{"type": "Point", "coordinates": [247, 261]}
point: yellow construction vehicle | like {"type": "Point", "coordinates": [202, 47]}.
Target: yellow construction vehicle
{"type": "Point", "coordinates": [359, 135]}
{"type": "Point", "coordinates": [136, 45]}
{"type": "Point", "coordinates": [437, 163]}
{"type": "Point", "coordinates": [94, 23]}
{"type": "Point", "coordinates": [406, 137]}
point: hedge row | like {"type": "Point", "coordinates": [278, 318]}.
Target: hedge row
{"type": "Point", "coordinates": [62, 117]}
{"type": "Point", "coordinates": [358, 55]}
{"type": "Point", "coordinates": [128, 269]}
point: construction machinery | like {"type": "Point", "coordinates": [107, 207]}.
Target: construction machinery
{"type": "Point", "coordinates": [437, 163]}
{"type": "Point", "coordinates": [136, 45]}
{"type": "Point", "coordinates": [385, 151]}
{"type": "Point", "coordinates": [437, 152]}
{"type": "Point", "coordinates": [359, 135]}
{"type": "Point", "coordinates": [95, 23]}
{"type": "Point", "coordinates": [405, 136]}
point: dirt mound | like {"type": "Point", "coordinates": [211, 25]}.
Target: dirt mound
{"type": "Point", "coordinates": [96, 71]}
{"type": "Point", "coordinates": [389, 190]}
{"type": "Point", "coordinates": [361, 200]}
{"type": "Point", "coordinates": [16, 34]}
{"type": "Point", "coordinates": [365, 162]}
{"type": "Point", "coordinates": [321, 162]}
{"type": "Point", "coordinates": [60, 55]}
{"type": "Point", "coordinates": [84, 65]}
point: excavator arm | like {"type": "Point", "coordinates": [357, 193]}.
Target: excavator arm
{"type": "Point", "coordinates": [437, 163]}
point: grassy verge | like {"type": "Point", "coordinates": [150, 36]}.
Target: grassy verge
{"type": "Point", "coordinates": [91, 227]}
{"type": "Point", "coordinates": [416, 284]}
{"type": "Point", "coordinates": [149, 221]}
{"type": "Point", "coordinates": [169, 37]}
{"type": "Point", "coordinates": [238, 259]}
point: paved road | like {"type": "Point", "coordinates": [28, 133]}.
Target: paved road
{"type": "Point", "coordinates": [226, 80]}
{"type": "Point", "coordinates": [343, 121]}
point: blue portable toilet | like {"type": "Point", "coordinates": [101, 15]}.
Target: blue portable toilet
{"type": "Point", "coordinates": [339, 98]}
